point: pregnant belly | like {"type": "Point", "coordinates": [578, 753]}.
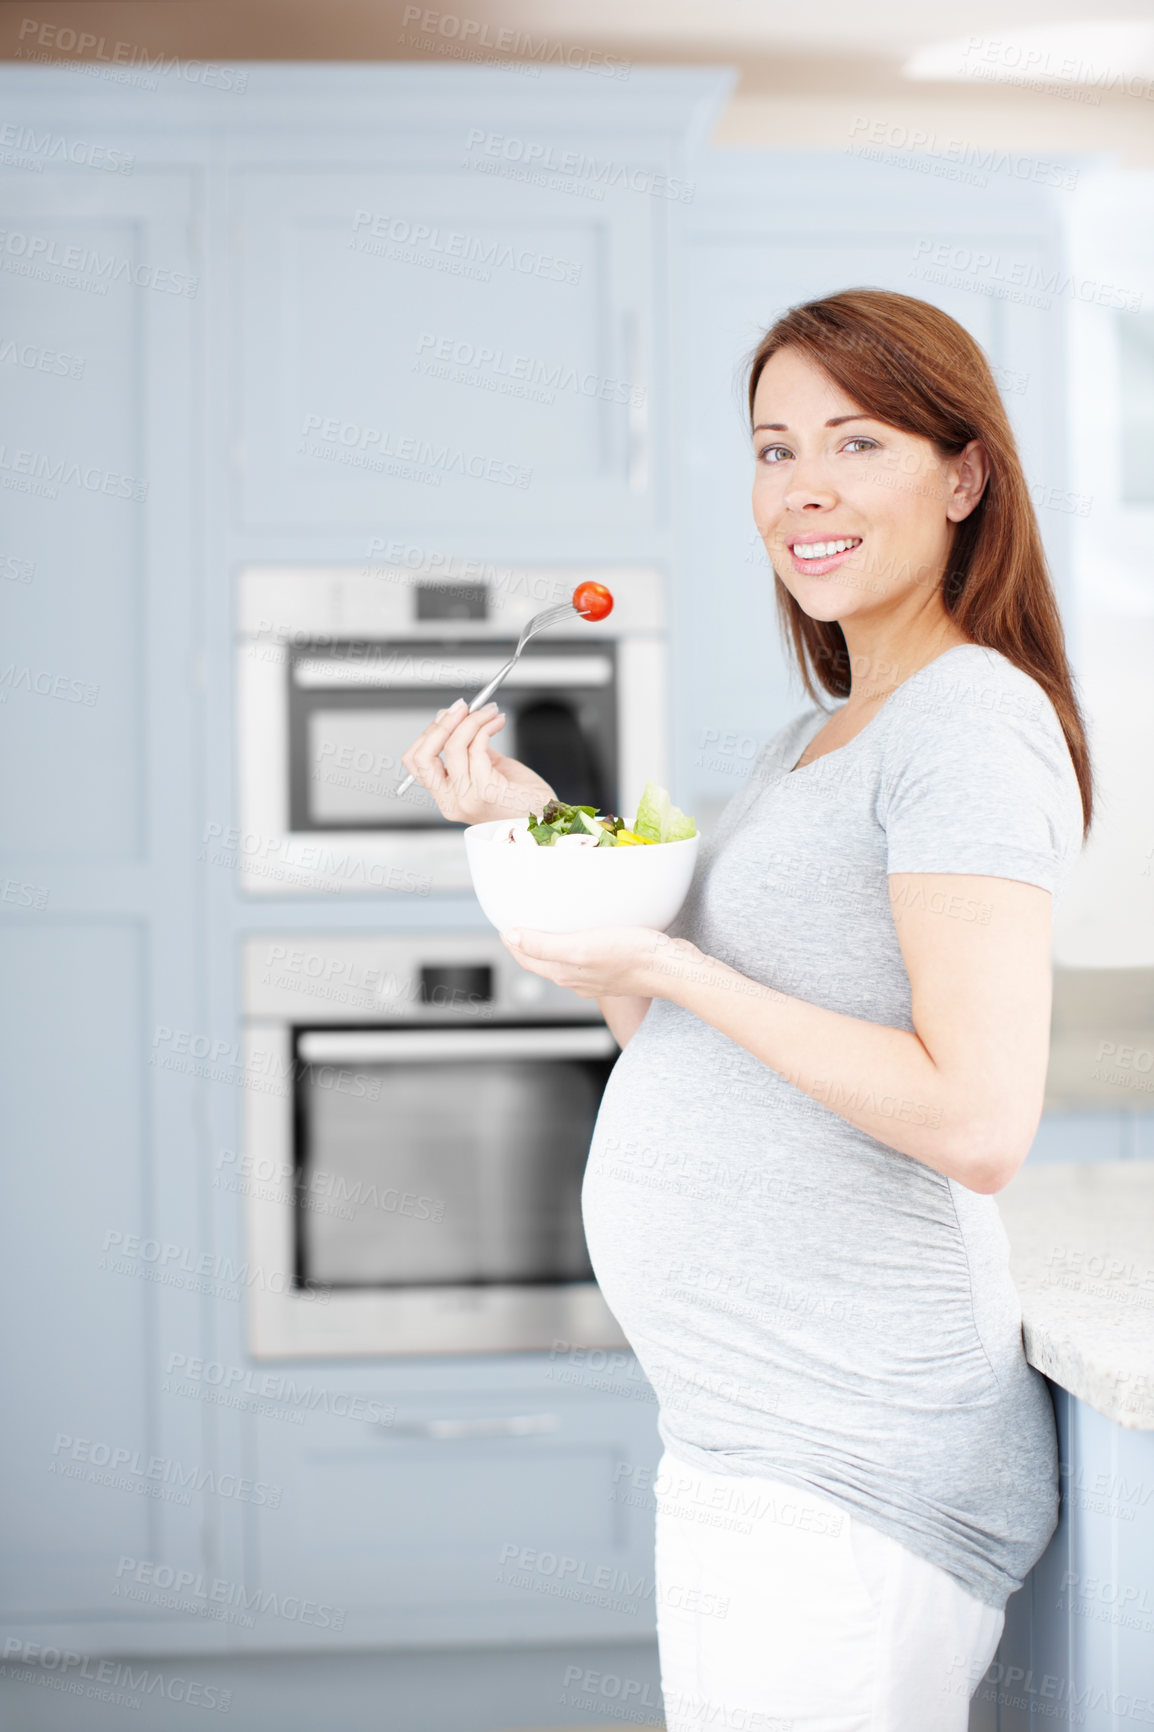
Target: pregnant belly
{"type": "Point", "coordinates": [811, 1250]}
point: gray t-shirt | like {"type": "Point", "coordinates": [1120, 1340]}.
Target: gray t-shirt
{"type": "Point", "coordinates": [807, 1302]}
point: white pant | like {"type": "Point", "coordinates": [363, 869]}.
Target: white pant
{"type": "Point", "coordinates": [778, 1611]}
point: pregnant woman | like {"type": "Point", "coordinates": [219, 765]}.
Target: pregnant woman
{"type": "Point", "coordinates": [837, 1055]}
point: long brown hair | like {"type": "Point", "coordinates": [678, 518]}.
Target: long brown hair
{"type": "Point", "coordinates": [910, 365]}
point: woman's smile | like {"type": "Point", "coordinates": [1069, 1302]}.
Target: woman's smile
{"type": "Point", "coordinates": [817, 553]}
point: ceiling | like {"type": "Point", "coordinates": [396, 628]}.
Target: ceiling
{"type": "Point", "coordinates": [730, 30]}
{"type": "Point", "coordinates": [804, 70]}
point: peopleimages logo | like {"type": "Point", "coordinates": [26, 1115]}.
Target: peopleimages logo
{"type": "Point", "coordinates": [454, 250]}
{"type": "Point", "coordinates": [471, 34]}
{"type": "Point", "coordinates": [129, 1469]}
{"type": "Point", "coordinates": [1041, 68]}
{"type": "Point", "coordinates": [241, 1381]}
{"type": "Point", "coordinates": [29, 148]}
{"type": "Point", "coordinates": [62, 39]}
{"type": "Point", "coordinates": [574, 170]}
{"type": "Point", "coordinates": [32, 255]}
{"type": "Point", "coordinates": [191, 1590]}
{"type": "Point", "coordinates": [374, 447]}
{"type": "Point", "coordinates": [121, 1683]}
{"type": "Point", "coordinates": [515, 374]}
{"type": "Point", "coordinates": [40, 360]}
{"type": "Point", "coordinates": [39, 471]}
{"type": "Point", "coordinates": [1024, 282]}
{"type": "Point", "coordinates": [285, 860]}
{"type": "Point", "coordinates": [942, 152]}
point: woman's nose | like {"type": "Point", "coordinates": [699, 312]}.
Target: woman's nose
{"type": "Point", "coordinates": [809, 488]}
{"type": "Point", "coordinates": [809, 493]}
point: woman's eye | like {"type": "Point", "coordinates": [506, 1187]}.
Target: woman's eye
{"type": "Point", "coordinates": [774, 453]}
{"type": "Point", "coordinates": [860, 439]}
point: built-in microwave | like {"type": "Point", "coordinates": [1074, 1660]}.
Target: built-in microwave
{"type": "Point", "coordinates": [414, 1147]}
{"type": "Point", "coordinates": [340, 669]}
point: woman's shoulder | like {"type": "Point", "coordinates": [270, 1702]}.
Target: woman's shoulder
{"type": "Point", "coordinates": [972, 690]}
{"type": "Point", "coordinates": [973, 748]}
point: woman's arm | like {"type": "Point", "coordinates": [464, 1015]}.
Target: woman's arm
{"type": "Point", "coordinates": [963, 1094]}
{"type": "Point", "coordinates": [624, 1016]}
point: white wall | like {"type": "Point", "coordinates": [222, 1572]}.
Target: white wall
{"type": "Point", "coordinates": [1107, 919]}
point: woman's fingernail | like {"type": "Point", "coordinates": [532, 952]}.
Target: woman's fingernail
{"type": "Point", "coordinates": [513, 937]}
{"type": "Point", "coordinates": [459, 704]}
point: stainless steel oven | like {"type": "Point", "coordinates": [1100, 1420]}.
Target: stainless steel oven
{"type": "Point", "coordinates": [412, 1159]}
{"type": "Point", "coordinates": [339, 669]}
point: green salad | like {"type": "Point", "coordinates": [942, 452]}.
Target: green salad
{"type": "Point", "coordinates": [657, 820]}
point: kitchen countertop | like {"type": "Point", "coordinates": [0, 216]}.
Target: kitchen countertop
{"type": "Point", "coordinates": [1082, 1255]}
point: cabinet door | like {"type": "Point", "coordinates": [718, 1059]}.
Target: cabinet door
{"type": "Point", "coordinates": [443, 352]}
{"type": "Point", "coordinates": [98, 945]}
{"type": "Point", "coordinates": [430, 1519]}
{"type": "Point", "coordinates": [1078, 1645]}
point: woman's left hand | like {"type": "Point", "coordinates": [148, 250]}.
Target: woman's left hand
{"type": "Point", "coordinates": [602, 962]}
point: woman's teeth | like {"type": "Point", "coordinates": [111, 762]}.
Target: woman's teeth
{"type": "Point", "coordinates": [824, 549]}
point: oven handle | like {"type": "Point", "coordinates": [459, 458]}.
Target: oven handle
{"type": "Point", "coordinates": [377, 1046]}
{"type": "Point", "coordinates": [333, 673]}
{"type": "Point", "coordinates": [448, 1430]}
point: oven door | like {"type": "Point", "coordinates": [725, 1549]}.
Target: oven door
{"type": "Point", "coordinates": [434, 1195]}
{"type": "Point", "coordinates": [449, 1156]}
{"type": "Point", "coordinates": [355, 707]}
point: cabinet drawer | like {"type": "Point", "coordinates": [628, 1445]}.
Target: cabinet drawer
{"type": "Point", "coordinates": [507, 1504]}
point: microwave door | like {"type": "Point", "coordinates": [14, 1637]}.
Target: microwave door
{"type": "Point", "coordinates": [353, 715]}
{"type": "Point", "coordinates": [444, 1157]}
{"type": "Point", "coordinates": [354, 760]}
{"type": "Point", "coordinates": [352, 767]}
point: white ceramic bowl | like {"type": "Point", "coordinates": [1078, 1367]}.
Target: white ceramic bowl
{"type": "Point", "coordinates": [559, 889]}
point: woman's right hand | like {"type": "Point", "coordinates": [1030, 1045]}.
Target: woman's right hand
{"type": "Point", "coordinates": [475, 782]}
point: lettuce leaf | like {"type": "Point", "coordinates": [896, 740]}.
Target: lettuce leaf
{"type": "Point", "coordinates": [659, 820]}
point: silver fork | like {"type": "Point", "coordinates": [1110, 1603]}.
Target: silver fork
{"type": "Point", "coordinates": [539, 622]}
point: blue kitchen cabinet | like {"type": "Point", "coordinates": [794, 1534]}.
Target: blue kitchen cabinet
{"type": "Point", "coordinates": [517, 1513]}
{"type": "Point", "coordinates": [98, 914]}
{"type": "Point", "coordinates": [1093, 1135]}
{"type": "Point", "coordinates": [444, 350]}
{"type": "Point", "coordinates": [207, 301]}
{"type": "Point", "coordinates": [1078, 1646]}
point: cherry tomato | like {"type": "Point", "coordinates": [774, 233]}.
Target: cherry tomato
{"type": "Point", "coordinates": [592, 600]}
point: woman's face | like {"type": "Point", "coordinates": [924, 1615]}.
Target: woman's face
{"type": "Point", "coordinates": [856, 516]}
